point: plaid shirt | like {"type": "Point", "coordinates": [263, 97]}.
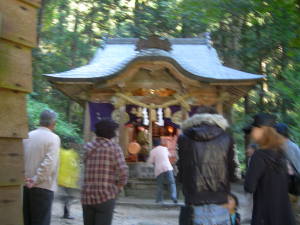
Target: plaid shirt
{"type": "Point", "coordinates": [105, 171]}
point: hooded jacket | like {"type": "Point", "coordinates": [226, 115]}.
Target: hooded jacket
{"type": "Point", "coordinates": [206, 159]}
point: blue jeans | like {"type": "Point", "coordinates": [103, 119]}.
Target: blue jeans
{"type": "Point", "coordinates": [162, 178]}
{"type": "Point", "coordinates": [211, 215]}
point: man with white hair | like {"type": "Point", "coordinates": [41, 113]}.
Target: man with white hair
{"type": "Point", "coordinates": [41, 153]}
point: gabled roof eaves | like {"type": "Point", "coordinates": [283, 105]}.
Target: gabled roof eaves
{"type": "Point", "coordinates": [199, 61]}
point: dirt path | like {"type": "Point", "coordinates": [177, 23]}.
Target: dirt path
{"type": "Point", "coordinates": [124, 215]}
{"type": "Point", "coordinates": [134, 211]}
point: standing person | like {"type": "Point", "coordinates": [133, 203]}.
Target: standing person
{"type": "Point", "coordinates": [68, 175]}
{"type": "Point", "coordinates": [105, 175]}
{"type": "Point", "coordinates": [291, 149]}
{"type": "Point", "coordinates": [292, 153]}
{"type": "Point", "coordinates": [41, 156]}
{"type": "Point", "coordinates": [266, 176]}
{"type": "Point", "coordinates": [159, 156]}
{"type": "Point", "coordinates": [206, 165]}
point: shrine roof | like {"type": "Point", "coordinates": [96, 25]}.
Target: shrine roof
{"type": "Point", "coordinates": [194, 57]}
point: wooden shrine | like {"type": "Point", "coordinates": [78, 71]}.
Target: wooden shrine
{"type": "Point", "coordinates": [155, 83]}
{"type": "Point", "coordinates": [154, 74]}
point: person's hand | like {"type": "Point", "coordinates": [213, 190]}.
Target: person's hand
{"type": "Point", "coordinates": [29, 182]}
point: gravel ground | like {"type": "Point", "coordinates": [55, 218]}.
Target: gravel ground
{"type": "Point", "coordinates": [133, 211]}
{"type": "Point", "coordinates": [124, 215]}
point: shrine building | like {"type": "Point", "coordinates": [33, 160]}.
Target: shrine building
{"type": "Point", "coordinates": [155, 83]}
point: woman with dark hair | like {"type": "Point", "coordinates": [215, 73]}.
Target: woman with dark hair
{"type": "Point", "coordinates": [105, 175]}
{"type": "Point", "coordinates": [267, 177]}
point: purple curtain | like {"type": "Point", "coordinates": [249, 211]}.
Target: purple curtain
{"type": "Point", "coordinates": [104, 110]}
{"type": "Point", "coordinates": [98, 111]}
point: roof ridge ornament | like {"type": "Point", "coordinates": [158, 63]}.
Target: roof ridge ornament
{"type": "Point", "coordinates": [153, 41]}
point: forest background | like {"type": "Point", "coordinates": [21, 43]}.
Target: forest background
{"type": "Point", "coordinates": [255, 36]}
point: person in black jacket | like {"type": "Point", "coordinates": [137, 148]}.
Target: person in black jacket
{"type": "Point", "coordinates": [206, 166]}
{"type": "Point", "coordinates": [267, 176]}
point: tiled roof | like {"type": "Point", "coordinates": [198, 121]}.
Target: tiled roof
{"type": "Point", "coordinates": [193, 56]}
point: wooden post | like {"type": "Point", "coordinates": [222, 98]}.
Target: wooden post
{"type": "Point", "coordinates": [246, 137]}
{"type": "Point", "coordinates": [227, 108]}
{"type": "Point", "coordinates": [17, 37]}
{"type": "Point", "coordinates": [122, 130]}
{"type": "Point", "coordinates": [185, 113]}
{"type": "Point", "coordinates": [150, 131]}
{"type": "Point", "coordinates": [220, 107]}
{"type": "Point", "coordinates": [87, 123]}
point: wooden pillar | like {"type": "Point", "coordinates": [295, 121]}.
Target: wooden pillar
{"type": "Point", "coordinates": [220, 107]}
{"type": "Point", "coordinates": [185, 113]}
{"type": "Point", "coordinates": [122, 131]}
{"type": "Point", "coordinates": [227, 110]}
{"type": "Point", "coordinates": [246, 136]}
{"type": "Point", "coordinates": [87, 134]}
{"type": "Point", "coordinates": [17, 38]}
{"type": "Point", "coordinates": [150, 131]}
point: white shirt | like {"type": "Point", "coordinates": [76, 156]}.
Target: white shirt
{"type": "Point", "coordinates": [41, 153]}
{"type": "Point", "coordinates": [159, 156]}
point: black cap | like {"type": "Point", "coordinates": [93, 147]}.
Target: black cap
{"type": "Point", "coordinates": [261, 119]}
{"type": "Point", "coordinates": [282, 129]}
{"type": "Point", "coordinates": [264, 119]}
{"type": "Point", "coordinates": [106, 128]}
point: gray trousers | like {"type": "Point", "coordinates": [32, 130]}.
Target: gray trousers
{"type": "Point", "coordinates": [99, 214]}
{"type": "Point", "coordinates": [37, 203]}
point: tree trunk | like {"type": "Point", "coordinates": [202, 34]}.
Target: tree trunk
{"type": "Point", "coordinates": [40, 20]}
{"type": "Point", "coordinates": [74, 44]}
{"type": "Point", "coordinates": [136, 19]}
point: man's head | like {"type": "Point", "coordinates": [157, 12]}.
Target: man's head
{"type": "Point", "coordinates": [106, 128]}
{"type": "Point", "coordinates": [282, 129]}
{"type": "Point", "coordinates": [48, 119]}
{"type": "Point", "coordinates": [156, 141]}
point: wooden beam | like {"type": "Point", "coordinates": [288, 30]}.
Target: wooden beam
{"type": "Point", "coordinates": [87, 123]}
{"type": "Point", "coordinates": [35, 3]}
{"type": "Point", "coordinates": [11, 161]}
{"type": "Point", "coordinates": [233, 83]}
{"type": "Point", "coordinates": [18, 24]}
{"type": "Point", "coordinates": [11, 205]}
{"type": "Point", "coordinates": [134, 68]}
{"type": "Point", "coordinates": [72, 82]}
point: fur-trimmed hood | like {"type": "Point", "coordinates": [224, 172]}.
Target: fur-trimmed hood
{"type": "Point", "coordinates": [198, 119]}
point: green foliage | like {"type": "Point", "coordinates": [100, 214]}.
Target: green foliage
{"type": "Point", "coordinates": [63, 129]}
{"type": "Point", "coordinates": [251, 35]}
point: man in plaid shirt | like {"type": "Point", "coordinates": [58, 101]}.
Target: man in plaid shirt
{"type": "Point", "coordinates": [105, 175]}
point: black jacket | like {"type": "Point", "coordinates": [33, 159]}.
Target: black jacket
{"type": "Point", "coordinates": [206, 160]}
{"type": "Point", "coordinates": [267, 179]}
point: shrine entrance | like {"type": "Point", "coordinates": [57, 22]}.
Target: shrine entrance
{"type": "Point", "coordinates": [145, 114]}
